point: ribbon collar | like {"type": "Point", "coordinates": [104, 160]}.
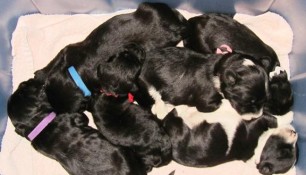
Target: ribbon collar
{"type": "Point", "coordinates": [41, 126]}
{"type": "Point", "coordinates": [78, 81]}
{"type": "Point", "coordinates": [130, 96]}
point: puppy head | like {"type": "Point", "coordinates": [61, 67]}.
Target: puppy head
{"type": "Point", "coordinates": [280, 152]}
{"type": "Point", "coordinates": [27, 106]}
{"type": "Point", "coordinates": [119, 73]}
{"type": "Point", "coordinates": [244, 84]}
{"type": "Point", "coordinates": [280, 100]}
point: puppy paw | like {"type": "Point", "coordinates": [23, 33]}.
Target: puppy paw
{"type": "Point", "coordinates": [276, 71]}
{"type": "Point", "coordinates": [161, 109]}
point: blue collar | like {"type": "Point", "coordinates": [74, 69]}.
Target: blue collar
{"type": "Point", "coordinates": [78, 81]}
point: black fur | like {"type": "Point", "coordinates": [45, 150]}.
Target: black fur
{"type": "Point", "coordinates": [151, 26]}
{"type": "Point", "coordinates": [68, 139]}
{"type": "Point", "coordinates": [209, 31]}
{"type": "Point", "coordinates": [206, 144]}
{"type": "Point", "coordinates": [281, 98]}
{"type": "Point", "coordinates": [183, 76]}
{"type": "Point", "coordinates": [126, 124]}
{"type": "Point", "coordinates": [278, 156]}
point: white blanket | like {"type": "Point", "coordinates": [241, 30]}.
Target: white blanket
{"type": "Point", "coordinates": [38, 38]}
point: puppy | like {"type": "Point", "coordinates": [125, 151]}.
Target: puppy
{"type": "Point", "coordinates": [211, 33]}
{"type": "Point", "coordinates": [220, 33]}
{"type": "Point", "coordinates": [151, 26]}
{"type": "Point", "coordinates": [114, 77]}
{"type": "Point", "coordinates": [67, 138]}
{"type": "Point", "coordinates": [181, 76]}
{"type": "Point", "coordinates": [209, 139]}
{"type": "Point", "coordinates": [127, 124]}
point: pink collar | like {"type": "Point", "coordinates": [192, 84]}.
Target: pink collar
{"type": "Point", "coordinates": [41, 126]}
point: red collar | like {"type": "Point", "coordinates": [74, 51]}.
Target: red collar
{"type": "Point", "coordinates": [130, 96]}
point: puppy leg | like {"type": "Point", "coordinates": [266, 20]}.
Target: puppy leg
{"type": "Point", "coordinates": [160, 108]}
{"type": "Point", "coordinates": [175, 128]}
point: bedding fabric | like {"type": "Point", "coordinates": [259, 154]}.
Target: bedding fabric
{"type": "Point", "coordinates": [33, 46]}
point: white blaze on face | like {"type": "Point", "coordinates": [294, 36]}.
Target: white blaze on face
{"type": "Point", "coordinates": [285, 131]}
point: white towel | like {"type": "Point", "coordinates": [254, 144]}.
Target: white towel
{"type": "Point", "coordinates": [38, 38]}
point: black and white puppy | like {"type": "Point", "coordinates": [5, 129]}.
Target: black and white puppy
{"type": "Point", "coordinates": [220, 33]}
{"type": "Point", "coordinates": [127, 124]}
{"type": "Point", "coordinates": [209, 139]}
{"type": "Point", "coordinates": [151, 26]}
{"type": "Point", "coordinates": [67, 138]}
{"type": "Point", "coordinates": [181, 76]}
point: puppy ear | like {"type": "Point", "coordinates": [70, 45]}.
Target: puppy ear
{"type": "Point", "coordinates": [230, 77]}
{"type": "Point", "coordinates": [266, 62]}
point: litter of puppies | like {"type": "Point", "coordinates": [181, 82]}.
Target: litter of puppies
{"type": "Point", "coordinates": [131, 53]}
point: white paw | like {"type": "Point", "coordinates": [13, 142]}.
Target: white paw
{"type": "Point", "coordinates": [276, 71]}
{"type": "Point", "coordinates": [161, 109]}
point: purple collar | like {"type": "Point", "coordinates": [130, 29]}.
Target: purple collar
{"type": "Point", "coordinates": [41, 126]}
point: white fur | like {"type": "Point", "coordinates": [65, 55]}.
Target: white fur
{"type": "Point", "coordinates": [225, 115]}
{"type": "Point", "coordinates": [284, 131]}
{"type": "Point", "coordinates": [160, 108]}
{"type": "Point", "coordinates": [248, 62]}
{"type": "Point", "coordinates": [276, 71]}
{"type": "Point", "coordinates": [250, 116]}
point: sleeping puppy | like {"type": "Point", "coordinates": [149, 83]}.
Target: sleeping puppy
{"type": "Point", "coordinates": [127, 124]}
{"type": "Point", "coordinates": [151, 26]}
{"type": "Point", "coordinates": [209, 139]}
{"type": "Point", "coordinates": [66, 137]}
{"type": "Point", "coordinates": [181, 76]}
{"type": "Point", "coordinates": [214, 33]}
{"type": "Point", "coordinates": [115, 77]}
{"type": "Point", "coordinates": [220, 33]}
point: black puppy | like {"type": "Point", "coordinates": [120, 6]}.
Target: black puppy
{"type": "Point", "coordinates": [221, 137]}
{"type": "Point", "coordinates": [151, 26]}
{"type": "Point", "coordinates": [220, 33]}
{"type": "Point", "coordinates": [182, 76]}
{"type": "Point", "coordinates": [127, 124]}
{"type": "Point", "coordinates": [66, 137]}
{"type": "Point", "coordinates": [116, 76]}
{"type": "Point", "coordinates": [212, 32]}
